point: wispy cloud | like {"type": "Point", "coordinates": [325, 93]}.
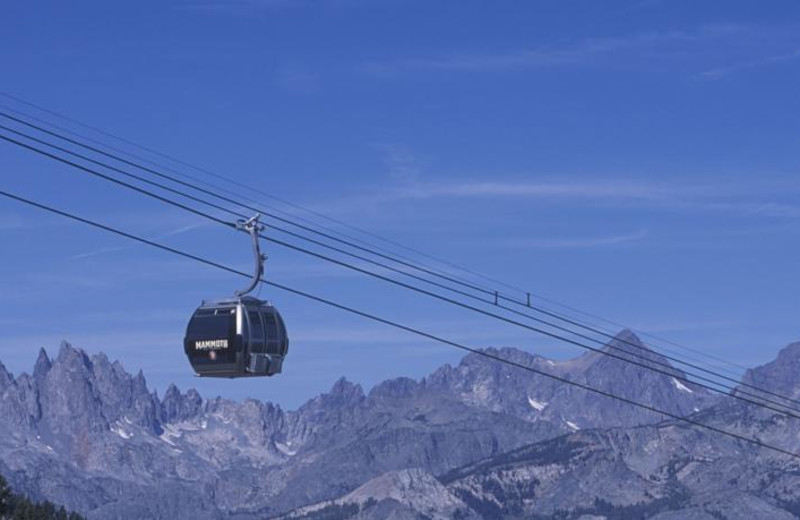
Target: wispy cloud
{"type": "Point", "coordinates": [586, 190]}
{"type": "Point", "coordinates": [719, 72]}
{"type": "Point", "coordinates": [245, 7]}
{"type": "Point", "coordinates": [586, 52]}
{"type": "Point", "coordinates": [298, 79]}
{"type": "Point", "coordinates": [694, 52]}
{"type": "Point", "coordinates": [759, 209]}
{"type": "Point", "coordinates": [13, 222]}
{"type": "Point", "coordinates": [18, 222]}
{"type": "Point", "coordinates": [575, 242]}
{"type": "Point", "coordinates": [760, 199]}
{"type": "Point", "coordinates": [641, 6]}
{"type": "Point", "coordinates": [401, 162]}
{"type": "Point", "coordinates": [237, 6]}
{"type": "Point", "coordinates": [105, 250]}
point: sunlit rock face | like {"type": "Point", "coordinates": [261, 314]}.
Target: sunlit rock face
{"type": "Point", "coordinates": [478, 440]}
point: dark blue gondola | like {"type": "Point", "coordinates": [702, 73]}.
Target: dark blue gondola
{"type": "Point", "coordinates": [240, 336]}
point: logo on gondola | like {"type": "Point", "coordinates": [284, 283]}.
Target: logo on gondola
{"type": "Point", "coordinates": [211, 344]}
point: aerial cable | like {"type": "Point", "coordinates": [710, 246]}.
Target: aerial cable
{"type": "Point", "coordinates": [652, 336]}
{"type": "Point", "coordinates": [496, 301]}
{"type": "Point", "coordinates": [418, 332]}
{"type": "Point", "coordinates": [670, 370]}
{"type": "Point", "coordinates": [497, 296]}
{"type": "Point", "coordinates": [195, 199]}
{"type": "Point", "coordinates": [230, 181]}
{"type": "Point", "coordinates": [249, 188]}
{"type": "Point", "coordinates": [117, 181]}
{"type": "Point", "coordinates": [232, 201]}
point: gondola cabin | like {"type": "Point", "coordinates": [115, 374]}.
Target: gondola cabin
{"type": "Point", "coordinates": [237, 337]}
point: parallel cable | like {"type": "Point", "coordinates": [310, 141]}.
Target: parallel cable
{"type": "Point", "coordinates": [454, 279]}
{"type": "Point", "coordinates": [331, 219]}
{"type": "Point", "coordinates": [406, 328]}
{"type": "Point", "coordinates": [236, 183]}
{"type": "Point", "coordinates": [670, 370]}
{"type": "Point", "coordinates": [261, 210]}
{"type": "Point", "coordinates": [250, 188]}
{"type": "Point", "coordinates": [497, 294]}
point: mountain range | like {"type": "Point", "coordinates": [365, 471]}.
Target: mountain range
{"type": "Point", "coordinates": [477, 440]}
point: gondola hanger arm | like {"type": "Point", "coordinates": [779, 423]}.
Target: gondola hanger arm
{"type": "Point", "coordinates": [253, 227]}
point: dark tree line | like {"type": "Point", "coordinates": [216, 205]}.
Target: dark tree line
{"type": "Point", "coordinates": [16, 507]}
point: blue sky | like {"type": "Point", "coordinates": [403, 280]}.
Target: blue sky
{"type": "Point", "coordinates": [636, 159]}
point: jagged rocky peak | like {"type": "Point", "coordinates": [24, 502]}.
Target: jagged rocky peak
{"type": "Point", "coordinates": [343, 451]}
{"type": "Point", "coordinates": [483, 382]}
{"type": "Point", "coordinates": [66, 393]}
{"type": "Point", "coordinates": [140, 383]}
{"type": "Point", "coordinates": [343, 392]}
{"type": "Point", "coordinates": [344, 397]}
{"type": "Point", "coordinates": [629, 336]}
{"type": "Point", "coordinates": [628, 342]}
{"type": "Point", "coordinates": [627, 355]}
{"type": "Point", "coordinates": [43, 364]}
{"type": "Point", "coordinates": [509, 353]}
{"type": "Point", "coordinates": [180, 407]}
{"type": "Point", "coordinates": [475, 366]}
{"type": "Point", "coordinates": [624, 367]}
{"type": "Point", "coordinates": [781, 376]}
{"type": "Point", "coordinates": [626, 351]}
{"type": "Point", "coordinates": [398, 388]}
{"type": "Point", "coordinates": [72, 357]}
{"type": "Point", "coordinates": [90, 394]}
{"type": "Point", "coordinates": [6, 378]}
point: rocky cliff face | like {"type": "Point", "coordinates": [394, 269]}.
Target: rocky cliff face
{"type": "Point", "coordinates": [477, 440]}
{"type": "Point", "coordinates": [781, 376]}
{"type": "Point", "coordinates": [502, 388]}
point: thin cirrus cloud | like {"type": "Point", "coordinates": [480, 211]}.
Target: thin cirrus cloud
{"type": "Point", "coordinates": [650, 45]}
{"type": "Point", "coordinates": [235, 6]}
{"type": "Point", "coordinates": [575, 242]}
{"type": "Point", "coordinates": [719, 72]}
{"type": "Point", "coordinates": [246, 7]}
{"type": "Point", "coordinates": [591, 190]}
{"type": "Point", "coordinates": [697, 52]}
{"type": "Point", "coordinates": [13, 222]}
{"type": "Point", "coordinates": [754, 199]}
{"type": "Point", "coordinates": [105, 250]}
{"type": "Point", "coordinates": [18, 222]}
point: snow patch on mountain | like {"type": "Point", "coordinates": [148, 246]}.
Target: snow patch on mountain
{"type": "Point", "coordinates": [680, 386]}
{"type": "Point", "coordinates": [119, 430]}
{"type": "Point", "coordinates": [536, 405]}
{"type": "Point", "coordinates": [286, 448]}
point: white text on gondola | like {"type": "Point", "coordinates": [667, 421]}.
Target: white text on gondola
{"type": "Point", "coordinates": [211, 344]}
